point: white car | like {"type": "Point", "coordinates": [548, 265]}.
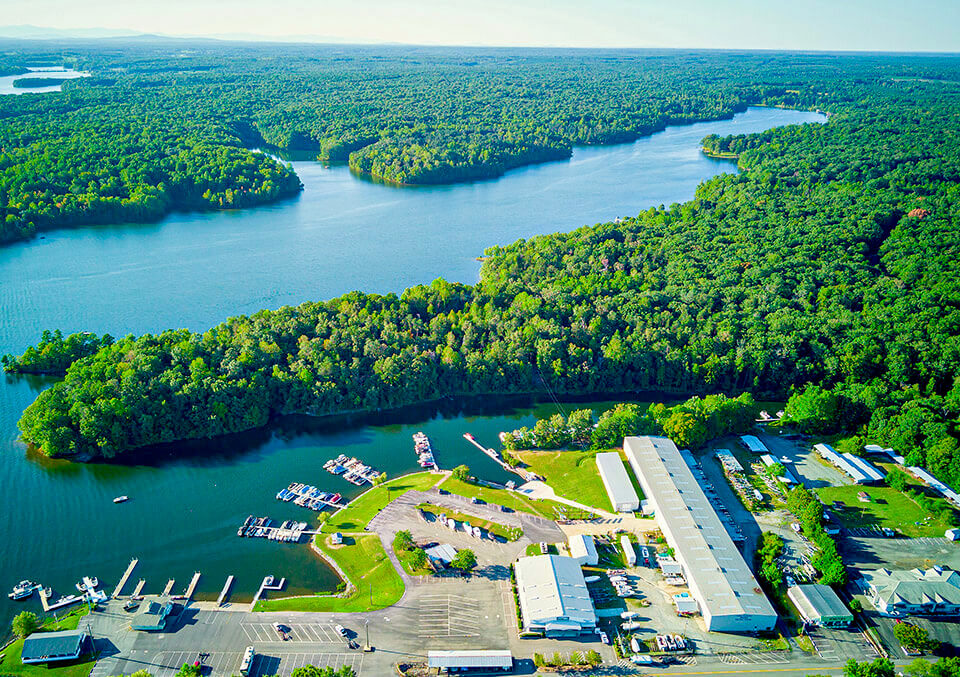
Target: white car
{"type": "Point", "coordinates": [604, 638]}
{"type": "Point", "coordinates": [342, 631]}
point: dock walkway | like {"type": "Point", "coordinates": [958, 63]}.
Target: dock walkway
{"type": "Point", "coordinates": [166, 590]}
{"type": "Point", "coordinates": [267, 584]}
{"type": "Point", "coordinates": [123, 579]}
{"type": "Point", "coordinates": [225, 591]}
{"type": "Point", "coordinates": [66, 601]}
{"type": "Point", "coordinates": [193, 585]}
{"type": "Point", "coordinates": [139, 588]}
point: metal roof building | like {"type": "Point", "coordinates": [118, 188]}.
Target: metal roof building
{"type": "Point", "coordinates": [933, 591]}
{"type": "Point", "coordinates": [787, 476]}
{"type": "Point", "coordinates": [50, 647]}
{"type": "Point", "coordinates": [584, 550]}
{"type": "Point", "coordinates": [935, 484]}
{"type": "Point", "coordinates": [820, 605]}
{"type": "Point", "coordinates": [729, 597]}
{"type": "Point", "coordinates": [151, 616]}
{"type": "Point", "coordinates": [622, 495]}
{"type": "Point", "coordinates": [464, 661]}
{"type": "Point", "coordinates": [870, 471]}
{"type": "Point", "coordinates": [753, 443]}
{"type": "Point", "coordinates": [553, 596]}
{"type": "Point", "coordinates": [828, 453]}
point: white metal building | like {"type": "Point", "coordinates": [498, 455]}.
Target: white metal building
{"type": "Point", "coordinates": [728, 595]}
{"type": "Point", "coordinates": [465, 661]}
{"type": "Point", "coordinates": [553, 596]}
{"type": "Point", "coordinates": [628, 550]}
{"type": "Point", "coordinates": [935, 484]}
{"type": "Point", "coordinates": [584, 550]}
{"type": "Point", "coordinates": [622, 495]}
{"type": "Point", "coordinates": [830, 454]}
{"type": "Point", "coordinates": [820, 605]}
{"type": "Point", "coordinates": [753, 443]}
{"type": "Point", "coordinates": [787, 476]}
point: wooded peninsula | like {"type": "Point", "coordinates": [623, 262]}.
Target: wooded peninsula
{"type": "Point", "coordinates": [824, 272]}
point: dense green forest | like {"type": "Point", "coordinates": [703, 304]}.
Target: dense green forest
{"type": "Point", "coordinates": [167, 125]}
{"type": "Point", "coordinates": [54, 354]}
{"type": "Point", "coordinates": [830, 260]}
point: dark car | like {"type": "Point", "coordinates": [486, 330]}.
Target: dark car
{"type": "Point", "coordinates": [504, 508]}
{"type": "Point", "coordinates": [444, 492]}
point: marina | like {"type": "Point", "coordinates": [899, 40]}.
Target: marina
{"type": "Point", "coordinates": [308, 496]}
{"type": "Point", "coordinates": [424, 451]}
{"type": "Point", "coordinates": [496, 457]}
{"type": "Point", "coordinates": [352, 470]}
{"type": "Point", "coordinates": [263, 527]}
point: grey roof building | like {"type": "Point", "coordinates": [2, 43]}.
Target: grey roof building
{"type": "Point", "coordinates": [729, 597]}
{"type": "Point", "coordinates": [464, 661]}
{"type": "Point", "coordinates": [820, 605]}
{"type": "Point", "coordinates": [623, 497]}
{"type": "Point", "coordinates": [50, 647]}
{"type": "Point", "coordinates": [553, 596]}
{"type": "Point", "coordinates": [915, 592]}
{"type": "Point", "coordinates": [152, 616]}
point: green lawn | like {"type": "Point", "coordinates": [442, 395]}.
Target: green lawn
{"type": "Point", "coordinates": [509, 533]}
{"type": "Point", "coordinates": [887, 508]}
{"type": "Point", "coordinates": [533, 550]}
{"type": "Point", "coordinates": [572, 474]}
{"type": "Point", "coordinates": [510, 499]}
{"type": "Point", "coordinates": [364, 507]}
{"type": "Point", "coordinates": [11, 665]}
{"type": "Point", "coordinates": [362, 557]}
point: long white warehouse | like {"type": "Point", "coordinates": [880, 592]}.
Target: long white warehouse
{"type": "Point", "coordinates": [623, 498]}
{"type": "Point", "coordinates": [729, 596]}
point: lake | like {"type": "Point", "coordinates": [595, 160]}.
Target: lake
{"type": "Point", "coordinates": [45, 72]}
{"type": "Point", "coordinates": [194, 270]}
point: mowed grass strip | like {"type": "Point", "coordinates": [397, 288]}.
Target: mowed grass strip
{"type": "Point", "coordinates": [510, 499]}
{"type": "Point", "coordinates": [363, 559]}
{"type": "Point", "coordinates": [887, 508]}
{"type": "Point", "coordinates": [364, 507]}
{"type": "Point", "coordinates": [11, 665]}
{"type": "Point", "coordinates": [572, 475]}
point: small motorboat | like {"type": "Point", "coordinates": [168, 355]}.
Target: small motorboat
{"type": "Point", "coordinates": [121, 499]}
{"type": "Point", "coordinates": [22, 590]}
{"type": "Point", "coordinates": [48, 592]}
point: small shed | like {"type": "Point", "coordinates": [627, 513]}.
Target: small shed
{"type": "Point", "coordinates": [152, 616]}
{"type": "Point", "coordinates": [685, 604]}
{"type": "Point", "coordinates": [441, 554]}
{"type": "Point", "coordinates": [337, 539]}
{"type": "Point", "coordinates": [584, 550]}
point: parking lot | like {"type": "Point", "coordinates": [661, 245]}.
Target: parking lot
{"type": "Point", "coordinates": [841, 644]}
{"type": "Point", "coordinates": [446, 615]}
{"type": "Point", "coordinates": [284, 664]}
{"type": "Point", "coordinates": [264, 633]}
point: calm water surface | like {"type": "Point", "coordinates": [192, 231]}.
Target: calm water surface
{"type": "Point", "coordinates": [194, 270]}
{"type": "Point", "coordinates": [6, 82]}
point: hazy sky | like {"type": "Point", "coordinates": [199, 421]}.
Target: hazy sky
{"type": "Point", "coordinates": [888, 25]}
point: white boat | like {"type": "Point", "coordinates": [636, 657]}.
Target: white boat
{"type": "Point", "coordinates": [121, 499]}
{"type": "Point", "coordinates": [22, 590]}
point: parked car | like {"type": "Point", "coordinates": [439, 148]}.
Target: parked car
{"type": "Point", "coordinates": [604, 638]}
{"type": "Point", "coordinates": [342, 631]}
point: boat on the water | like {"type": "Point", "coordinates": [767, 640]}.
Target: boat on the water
{"type": "Point", "coordinates": [88, 584]}
{"type": "Point", "coordinates": [121, 499]}
{"type": "Point", "coordinates": [23, 590]}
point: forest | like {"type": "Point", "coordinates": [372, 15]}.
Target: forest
{"type": "Point", "coordinates": [824, 272]}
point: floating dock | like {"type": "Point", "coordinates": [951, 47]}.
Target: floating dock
{"type": "Point", "coordinates": [193, 585]}
{"type": "Point", "coordinates": [139, 588]}
{"type": "Point", "coordinates": [308, 496]}
{"type": "Point", "coordinates": [60, 603]}
{"type": "Point", "coordinates": [166, 590]}
{"type": "Point", "coordinates": [123, 579]}
{"type": "Point", "coordinates": [267, 584]}
{"type": "Point", "coordinates": [225, 591]}
{"type": "Point", "coordinates": [263, 527]}
{"type": "Point", "coordinates": [497, 458]}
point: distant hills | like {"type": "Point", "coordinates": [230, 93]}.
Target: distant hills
{"type": "Point", "coordinates": [30, 32]}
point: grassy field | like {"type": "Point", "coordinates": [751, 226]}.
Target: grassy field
{"type": "Point", "coordinates": [509, 533]}
{"type": "Point", "coordinates": [887, 508]}
{"type": "Point", "coordinates": [572, 474]}
{"type": "Point", "coordinates": [11, 665]}
{"type": "Point", "coordinates": [362, 557]}
{"type": "Point", "coordinates": [510, 499]}
{"type": "Point", "coordinates": [363, 508]}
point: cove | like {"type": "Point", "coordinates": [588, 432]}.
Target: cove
{"type": "Point", "coordinates": [194, 270]}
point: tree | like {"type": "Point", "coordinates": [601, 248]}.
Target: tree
{"type": "Point", "coordinates": [813, 409]}
{"type": "Point", "coordinates": [539, 660]}
{"type": "Point", "coordinates": [418, 558]}
{"type": "Point", "coordinates": [880, 667]}
{"type": "Point", "coordinates": [897, 479]}
{"type": "Point", "coordinates": [855, 605]}
{"type": "Point", "coordinates": [557, 659]}
{"type": "Point", "coordinates": [403, 540]}
{"type": "Point", "coordinates": [465, 560]}
{"type": "Point", "coordinates": [914, 637]}
{"type": "Point", "coordinates": [141, 673]}
{"type": "Point", "coordinates": [25, 623]}
{"type": "Point", "coordinates": [461, 472]}
{"type": "Point", "coordinates": [580, 423]}
{"type": "Point", "coordinates": [593, 658]}
{"type": "Point", "coordinates": [314, 671]}
{"type": "Point", "coordinates": [189, 670]}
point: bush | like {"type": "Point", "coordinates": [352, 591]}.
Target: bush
{"type": "Point", "coordinates": [25, 623]}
